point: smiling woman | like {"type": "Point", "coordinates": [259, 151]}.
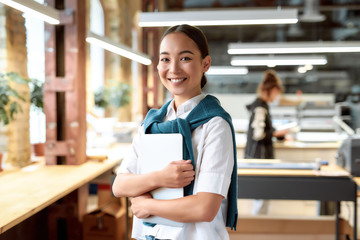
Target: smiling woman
{"type": "Point", "coordinates": [207, 171]}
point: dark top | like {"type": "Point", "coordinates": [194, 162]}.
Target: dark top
{"type": "Point", "coordinates": [260, 131]}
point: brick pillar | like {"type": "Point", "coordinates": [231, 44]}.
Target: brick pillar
{"type": "Point", "coordinates": [65, 109]}
{"type": "Point", "coordinates": [2, 38]}
{"type": "Point", "coordinates": [15, 54]}
{"type": "Point", "coordinates": [64, 89]}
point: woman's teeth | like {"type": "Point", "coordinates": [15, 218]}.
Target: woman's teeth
{"type": "Point", "coordinates": [176, 80]}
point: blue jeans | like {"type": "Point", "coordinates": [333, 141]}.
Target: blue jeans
{"type": "Point", "coordinates": [150, 237]}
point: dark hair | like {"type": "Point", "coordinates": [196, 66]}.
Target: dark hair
{"type": "Point", "coordinates": [195, 34]}
{"type": "Point", "coordinates": [270, 81]}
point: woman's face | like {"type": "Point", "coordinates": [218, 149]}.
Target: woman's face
{"type": "Point", "coordinates": [274, 93]}
{"type": "Point", "coordinates": [181, 66]}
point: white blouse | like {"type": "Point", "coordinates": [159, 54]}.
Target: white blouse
{"type": "Point", "coordinates": [214, 157]}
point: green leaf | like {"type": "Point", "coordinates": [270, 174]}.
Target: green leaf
{"type": "Point", "coordinates": [37, 93]}
{"type": "Point", "coordinates": [15, 77]}
{"type": "Point", "coordinates": [14, 108]}
{"type": "Point", "coordinates": [9, 96]}
{"type": "Point", "coordinates": [3, 116]}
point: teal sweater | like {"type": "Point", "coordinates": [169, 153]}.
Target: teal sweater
{"type": "Point", "coordinates": [208, 108]}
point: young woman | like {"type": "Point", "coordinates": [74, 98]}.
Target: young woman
{"type": "Point", "coordinates": [259, 143]}
{"type": "Point", "coordinates": [209, 169]}
{"type": "Point", "coordinates": [260, 131]}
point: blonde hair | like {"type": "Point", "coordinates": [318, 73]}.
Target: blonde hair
{"type": "Point", "coordinates": [270, 81]}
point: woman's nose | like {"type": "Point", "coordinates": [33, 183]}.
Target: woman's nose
{"type": "Point", "coordinates": [174, 67]}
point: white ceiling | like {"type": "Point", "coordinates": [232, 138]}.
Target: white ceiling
{"type": "Point", "coordinates": [342, 23]}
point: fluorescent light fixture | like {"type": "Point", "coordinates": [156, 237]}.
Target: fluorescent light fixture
{"type": "Point", "coordinates": [35, 9]}
{"type": "Point", "coordinates": [218, 17]}
{"type": "Point", "coordinates": [293, 47]}
{"type": "Point", "coordinates": [227, 70]}
{"type": "Point", "coordinates": [302, 70]}
{"type": "Point", "coordinates": [278, 60]}
{"type": "Point", "coordinates": [117, 48]}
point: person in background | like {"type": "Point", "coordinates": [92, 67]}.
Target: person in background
{"type": "Point", "coordinates": [211, 172]}
{"type": "Point", "coordinates": [260, 132]}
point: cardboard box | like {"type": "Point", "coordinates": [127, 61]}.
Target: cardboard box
{"type": "Point", "coordinates": [106, 223]}
{"type": "Point", "coordinates": [105, 195]}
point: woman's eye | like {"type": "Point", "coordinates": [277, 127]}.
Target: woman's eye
{"type": "Point", "coordinates": [164, 59]}
{"type": "Point", "coordinates": [185, 59]}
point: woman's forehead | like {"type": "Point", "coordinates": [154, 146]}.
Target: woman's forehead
{"type": "Point", "coordinates": [178, 42]}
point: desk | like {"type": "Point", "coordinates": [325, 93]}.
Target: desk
{"type": "Point", "coordinates": [328, 184]}
{"type": "Point", "coordinates": [298, 151]}
{"type": "Point", "coordinates": [27, 191]}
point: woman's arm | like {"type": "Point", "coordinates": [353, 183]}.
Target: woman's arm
{"type": "Point", "coordinates": [201, 207]}
{"type": "Point", "coordinates": [129, 184]}
{"type": "Point", "coordinates": [213, 181]}
{"type": "Point", "coordinates": [176, 174]}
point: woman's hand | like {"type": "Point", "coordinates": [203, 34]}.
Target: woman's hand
{"type": "Point", "coordinates": [138, 205]}
{"type": "Point", "coordinates": [281, 133]}
{"type": "Point", "coordinates": [177, 174]}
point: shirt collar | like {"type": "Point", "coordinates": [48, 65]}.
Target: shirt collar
{"type": "Point", "coordinates": [184, 109]}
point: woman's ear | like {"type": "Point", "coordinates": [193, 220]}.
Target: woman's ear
{"type": "Point", "coordinates": [206, 63]}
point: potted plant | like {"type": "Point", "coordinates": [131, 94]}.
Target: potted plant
{"type": "Point", "coordinates": [110, 99]}
{"type": "Point", "coordinates": [37, 103]}
{"type": "Point", "coordinates": [113, 96]}
{"type": "Point", "coordinates": [37, 94]}
{"type": "Point", "coordinates": [9, 100]}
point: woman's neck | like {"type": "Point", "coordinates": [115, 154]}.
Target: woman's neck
{"type": "Point", "coordinates": [178, 100]}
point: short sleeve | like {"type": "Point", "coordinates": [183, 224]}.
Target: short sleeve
{"type": "Point", "coordinates": [217, 158]}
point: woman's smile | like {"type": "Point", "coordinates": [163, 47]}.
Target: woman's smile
{"type": "Point", "coordinates": [177, 80]}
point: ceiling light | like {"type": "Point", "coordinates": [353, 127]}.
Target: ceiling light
{"type": "Point", "coordinates": [278, 60]}
{"type": "Point", "coordinates": [227, 70]}
{"type": "Point", "coordinates": [117, 48]}
{"type": "Point", "coordinates": [302, 70]}
{"type": "Point", "coordinates": [308, 67]}
{"type": "Point", "coordinates": [218, 17]}
{"type": "Point", "coordinates": [35, 9]}
{"type": "Point", "coordinates": [293, 47]}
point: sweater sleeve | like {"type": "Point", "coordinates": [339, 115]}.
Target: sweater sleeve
{"type": "Point", "coordinates": [258, 123]}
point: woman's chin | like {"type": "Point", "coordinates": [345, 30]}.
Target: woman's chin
{"type": "Point", "coordinates": [176, 92]}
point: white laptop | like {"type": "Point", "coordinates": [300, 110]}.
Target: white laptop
{"type": "Point", "coordinates": [157, 150]}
